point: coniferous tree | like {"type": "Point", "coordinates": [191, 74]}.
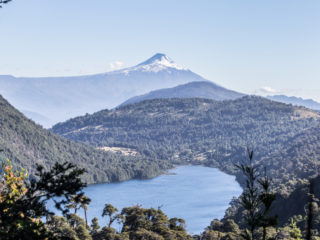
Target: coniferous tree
{"type": "Point", "coordinates": [295, 232]}
{"type": "Point", "coordinates": [249, 199]}
{"type": "Point", "coordinates": [61, 229]}
{"type": "Point", "coordinates": [23, 201]}
{"type": "Point", "coordinates": [94, 225]}
{"type": "Point", "coordinates": [74, 203]}
{"type": "Point", "coordinates": [111, 211]}
{"type": "Point", "coordinates": [267, 197]}
{"type": "Point", "coordinates": [257, 200]}
{"type": "Point", "coordinates": [310, 210]}
{"type": "Point", "coordinates": [80, 201]}
{"type": "Point", "coordinates": [84, 202]}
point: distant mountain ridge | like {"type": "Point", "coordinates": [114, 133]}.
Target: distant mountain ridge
{"type": "Point", "coordinates": [203, 89]}
{"type": "Point", "coordinates": [308, 103]}
{"type": "Point", "coordinates": [61, 98]}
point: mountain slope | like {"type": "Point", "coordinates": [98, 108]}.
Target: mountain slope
{"type": "Point", "coordinates": [205, 89]}
{"type": "Point", "coordinates": [60, 98]}
{"type": "Point", "coordinates": [304, 154]}
{"type": "Point", "coordinates": [308, 103]}
{"type": "Point", "coordinates": [213, 133]}
{"type": "Point", "coordinates": [26, 144]}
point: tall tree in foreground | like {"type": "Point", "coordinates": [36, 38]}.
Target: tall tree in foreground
{"type": "Point", "coordinates": [78, 201]}
{"type": "Point", "coordinates": [310, 210]}
{"type": "Point", "coordinates": [249, 199]}
{"type": "Point", "coordinates": [84, 202]}
{"type": "Point", "coordinates": [111, 212]}
{"type": "Point", "coordinates": [256, 199]}
{"type": "Point", "coordinates": [266, 198]}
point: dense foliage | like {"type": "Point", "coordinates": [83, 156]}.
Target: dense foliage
{"type": "Point", "coordinates": [256, 200]}
{"type": "Point", "coordinates": [197, 131]}
{"type": "Point", "coordinates": [292, 206]}
{"type": "Point", "coordinates": [136, 223]}
{"type": "Point", "coordinates": [27, 144]}
{"type": "Point", "coordinates": [22, 204]}
{"type": "Point", "coordinates": [23, 201]}
{"type": "Point", "coordinates": [212, 133]}
{"type": "Point", "coordinates": [285, 139]}
{"type": "Point", "coordinates": [23, 212]}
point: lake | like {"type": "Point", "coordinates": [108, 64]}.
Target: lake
{"type": "Point", "coordinates": [195, 193]}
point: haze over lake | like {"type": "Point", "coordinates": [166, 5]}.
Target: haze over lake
{"type": "Point", "coordinates": [195, 193]}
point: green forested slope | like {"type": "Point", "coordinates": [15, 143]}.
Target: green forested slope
{"type": "Point", "coordinates": [286, 206]}
{"type": "Point", "coordinates": [26, 144]}
{"type": "Point", "coordinates": [300, 156]}
{"type": "Point", "coordinates": [201, 131]}
{"type": "Point", "coordinates": [291, 168]}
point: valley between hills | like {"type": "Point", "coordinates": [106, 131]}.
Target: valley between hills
{"type": "Point", "coordinates": [207, 132]}
{"type": "Point", "coordinates": [103, 136]}
{"type": "Point", "coordinates": [197, 123]}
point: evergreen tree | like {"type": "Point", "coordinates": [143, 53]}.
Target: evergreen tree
{"type": "Point", "coordinates": [80, 227]}
{"type": "Point", "coordinates": [111, 211]}
{"type": "Point", "coordinates": [140, 223]}
{"type": "Point", "coordinates": [61, 228]}
{"type": "Point", "coordinates": [266, 198]}
{"type": "Point", "coordinates": [94, 225]}
{"type": "Point", "coordinates": [310, 211]}
{"type": "Point", "coordinates": [256, 199]}
{"type": "Point", "coordinates": [249, 199]}
{"type": "Point", "coordinates": [74, 203]}
{"type": "Point", "coordinates": [84, 202]}
{"type": "Point", "coordinates": [294, 231]}
{"type": "Point", "coordinates": [23, 201]}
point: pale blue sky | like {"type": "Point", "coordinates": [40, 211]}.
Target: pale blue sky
{"type": "Point", "coordinates": [244, 45]}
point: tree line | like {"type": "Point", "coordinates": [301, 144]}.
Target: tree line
{"type": "Point", "coordinates": [24, 215]}
{"type": "Point", "coordinates": [211, 133]}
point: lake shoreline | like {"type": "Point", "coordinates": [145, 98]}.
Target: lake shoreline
{"type": "Point", "coordinates": [167, 172]}
{"type": "Point", "coordinates": [206, 192]}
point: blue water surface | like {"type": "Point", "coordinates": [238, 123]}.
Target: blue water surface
{"type": "Point", "coordinates": [195, 193]}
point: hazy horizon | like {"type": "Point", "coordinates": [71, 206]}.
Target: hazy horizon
{"type": "Point", "coordinates": [267, 47]}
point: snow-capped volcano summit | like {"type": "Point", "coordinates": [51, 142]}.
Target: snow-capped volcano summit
{"type": "Point", "coordinates": [158, 62]}
{"type": "Point", "coordinates": [60, 98]}
{"type": "Point", "coordinates": [158, 58]}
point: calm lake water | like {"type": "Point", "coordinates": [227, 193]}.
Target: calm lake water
{"type": "Point", "coordinates": [195, 193]}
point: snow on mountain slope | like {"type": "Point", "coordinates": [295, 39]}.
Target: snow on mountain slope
{"type": "Point", "coordinates": [60, 98]}
{"type": "Point", "coordinates": [159, 62]}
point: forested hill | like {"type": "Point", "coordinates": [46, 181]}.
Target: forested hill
{"type": "Point", "coordinates": [26, 144]}
{"type": "Point", "coordinates": [291, 168]}
{"type": "Point", "coordinates": [213, 133]}
{"type": "Point", "coordinates": [200, 89]}
{"type": "Point", "coordinates": [299, 157]}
